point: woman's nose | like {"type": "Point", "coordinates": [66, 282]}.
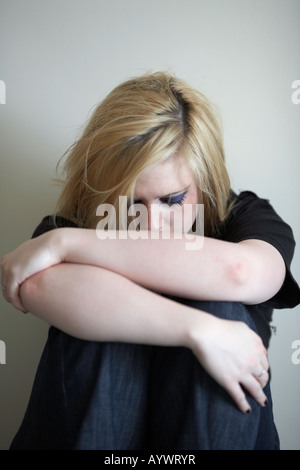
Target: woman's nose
{"type": "Point", "coordinates": [154, 217]}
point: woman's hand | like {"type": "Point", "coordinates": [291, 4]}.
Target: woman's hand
{"type": "Point", "coordinates": [29, 258]}
{"type": "Point", "coordinates": [235, 357]}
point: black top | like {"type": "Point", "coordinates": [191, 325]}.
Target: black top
{"type": "Point", "coordinates": [250, 218]}
{"type": "Point", "coordinates": [255, 218]}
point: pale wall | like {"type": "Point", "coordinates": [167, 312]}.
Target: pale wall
{"type": "Point", "coordinates": [59, 58]}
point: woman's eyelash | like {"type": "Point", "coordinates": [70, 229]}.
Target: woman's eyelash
{"type": "Point", "coordinates": [176, 199]}
{"type": "Point", "coordinates": [172, 200]}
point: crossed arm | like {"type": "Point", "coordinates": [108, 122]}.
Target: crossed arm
{"type": "Point", "coordinates": [103, 290]}
{"type": "Point", "coordinates": [250, 272]}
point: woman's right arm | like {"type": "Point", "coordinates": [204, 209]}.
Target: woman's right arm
{"type": "Point", "coordinates": [96, 304]}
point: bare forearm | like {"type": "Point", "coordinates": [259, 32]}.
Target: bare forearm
{"type": "Point", "coordinates": [163, 265]}
{"type": "Point", "coordinates": [248, 272]}
{"type": "Point", "coordinates": [95, 304]}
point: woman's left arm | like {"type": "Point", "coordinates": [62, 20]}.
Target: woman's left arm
{"type": "Point", "coordinates": [251, 271]}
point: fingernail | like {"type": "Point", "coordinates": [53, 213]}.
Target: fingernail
{"type": "Point", "coordinates": [248, 411]}
{"type": "Point", "coordinates": [265, 402]}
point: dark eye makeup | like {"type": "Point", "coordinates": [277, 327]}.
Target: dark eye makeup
{"type": "Point", "coordinates": [174, 199]}
{"type": "Point", "coordinates": [170, 200]}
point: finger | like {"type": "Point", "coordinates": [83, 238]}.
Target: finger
{"type": "Point", "coordinates": [12, 295]}
{"type": "Point", "coordinates": [238, 395]}
{"type": "Point", "coordinates": [265, 363]}
{"type": "Point", "coordinates": [5, 295]}
{"type": "Point", "coordinates": [254, 387]}
{"type": "Point", "coordinates": [262, 377]}
{"type": "Point", "coordinates": [18, 304]}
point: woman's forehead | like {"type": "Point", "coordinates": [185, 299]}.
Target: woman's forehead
{"type": "Point", "coordinates": [164, 179]}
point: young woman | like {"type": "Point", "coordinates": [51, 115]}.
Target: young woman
{"type": "Point", "coordinates": [156, 341]}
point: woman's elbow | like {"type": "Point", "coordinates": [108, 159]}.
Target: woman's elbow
{"type": "Point", "coordinates": [259, 277]}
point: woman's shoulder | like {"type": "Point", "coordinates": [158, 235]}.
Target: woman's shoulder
{"type": "Point", "coordinates": [51, 222]}
{"type": "Point", "coordinates": [251, 208]}
{"type": "Point", "coordinates": [252, 217]}
{"type": "Point", "coordinates": [244, 198]}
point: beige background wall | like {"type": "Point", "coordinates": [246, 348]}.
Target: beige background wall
{"type": "Point", "coordinates": [59, 58]}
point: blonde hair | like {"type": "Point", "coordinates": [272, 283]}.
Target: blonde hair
{"type": "Point", "coordinates": [143, 122]}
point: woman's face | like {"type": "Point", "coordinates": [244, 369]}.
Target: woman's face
{"type": "Point", "coordinates": [170, 195]}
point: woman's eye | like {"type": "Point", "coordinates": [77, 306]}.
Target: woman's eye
{"type": "Point", "coordinates": [172, 200]}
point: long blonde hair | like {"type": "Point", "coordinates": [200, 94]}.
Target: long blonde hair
{"type": "Point", "coordinates": [143, 122]}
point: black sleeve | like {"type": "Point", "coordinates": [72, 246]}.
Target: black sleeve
{"type": "Point", "coordinates": [255, 218]}
{"type": "Point", "coordinates": [50, 223]}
